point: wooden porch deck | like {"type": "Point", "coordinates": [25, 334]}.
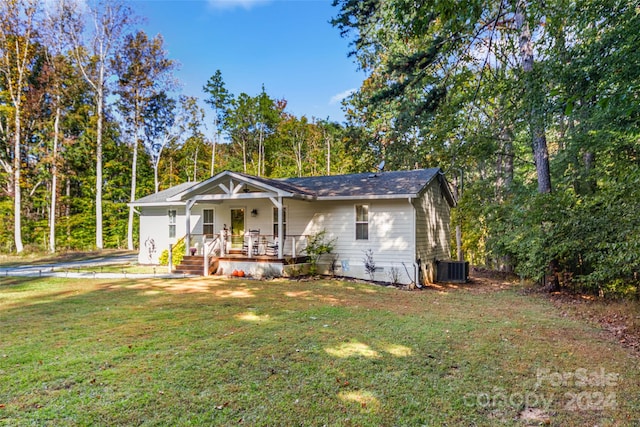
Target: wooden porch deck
{"type": "Point", "coordinates": [224, 265]}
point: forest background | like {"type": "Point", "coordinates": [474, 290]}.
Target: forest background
{"type": "Point", "coordinates": [531, 108]}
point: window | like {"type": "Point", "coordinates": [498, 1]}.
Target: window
{"type": "Point", "coordinates": [362, 222]}
{"type": "Point", "coordinates": [207, 222]}
{"type": "Point", "coordinates": [172, 224]}
{"type": "Point", "coordinates": [275, 222]}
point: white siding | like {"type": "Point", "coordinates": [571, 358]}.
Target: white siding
{"type": "Point", "coordinates": [154, 231]}
{"type": "Point", "coordinates": [400, 231]}
{"type": "Point", "coordinates": [433, 214]}
{"type": "Point", "coordinates": [391, 235]}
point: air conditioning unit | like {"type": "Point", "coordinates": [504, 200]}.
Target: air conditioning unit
{"type": "Point", "coordinates": [452, 271]}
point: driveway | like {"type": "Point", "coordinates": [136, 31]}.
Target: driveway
{"type": "Point", "coordinates": [65, 269]}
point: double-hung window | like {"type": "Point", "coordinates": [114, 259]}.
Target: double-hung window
{"type": "Point", "coordinates": [172, 223]}
{"type": "Point", "coordinates": [207, 222]}
{"type": "Point", "coordinates": [362, 222]}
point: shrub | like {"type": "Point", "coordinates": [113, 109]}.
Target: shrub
{"type": "Point", "coordinates": [178, 254]}
{"type": "Point", "coordinates": [317, 246]}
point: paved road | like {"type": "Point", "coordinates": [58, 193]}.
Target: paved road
{"type": "Point", "coordinates": [65, 269]}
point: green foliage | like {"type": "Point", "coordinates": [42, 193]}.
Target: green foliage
{"type": "Point", "coordinates": [178, 251]}
{"type": "Point", "coordinates": [369, 263]}
{"type": "Point", "coordinates": [318, 245]}
{"type": "Point", "coordinates": [448, 86]}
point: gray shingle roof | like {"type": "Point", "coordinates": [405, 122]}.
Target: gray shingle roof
{"type": "Point", "coordinates": [365, 185]}
{"type": "Point", "coordinates": [393, 183]}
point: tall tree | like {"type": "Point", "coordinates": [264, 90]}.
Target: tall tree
{"type": "Point", "coordinates": [240, 124]}
{"type": "Point", "coordinates": [93, 47]}
{"type": "Point", "coordinates": [17, 36]}
{"type": "Point", "coordinates": [143, 71]}
{"type": "Point", "coordinates": [194, 141]}
{"type": "Point", "coordinates": [58, 67]}
{"type": "Point", "coordinates": [535, 95]}
{"type": "Point", "coordinates": [219, 99]}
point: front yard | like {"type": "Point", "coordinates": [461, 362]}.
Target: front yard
{"type": "Point", "coordinates": [216, 351]}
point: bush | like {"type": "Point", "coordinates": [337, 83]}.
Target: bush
{"type": "Point", "coordinates": [178, 254]}
{"type": "Point", "coordinates": [316, 247]}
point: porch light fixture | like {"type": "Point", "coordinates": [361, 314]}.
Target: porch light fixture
{"type": "Point", "coordinates": [254, 212]}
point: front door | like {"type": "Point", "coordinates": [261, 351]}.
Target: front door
{"type": "Point", "coordinates": [237, 228]}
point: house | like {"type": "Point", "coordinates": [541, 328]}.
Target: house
{"type": "Point", "coordinates": [395, 223]}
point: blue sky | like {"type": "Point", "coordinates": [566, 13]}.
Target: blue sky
{"type": "Point", "coordinates": [287, 45]}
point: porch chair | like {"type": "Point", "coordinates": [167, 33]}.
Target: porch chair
{"type": "Point", "coordinates": [254, 237]}
{"type": "Point", "coordinates": [272, 248]}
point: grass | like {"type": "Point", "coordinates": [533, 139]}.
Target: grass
{"type": "Point", "coordinates": [213, 351]}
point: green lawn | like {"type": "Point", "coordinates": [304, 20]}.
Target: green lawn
{"type": "Point", "coordinates": [213, 351]}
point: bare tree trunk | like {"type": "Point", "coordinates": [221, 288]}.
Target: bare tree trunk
{"type": "Point", "coordinates": [214, 143]}
{"type": "Point", "coordinates": [16, 27]}
{"type": "Point", "coordinates": [99, 242]}
{"type": "Point", "coordinates": [244, 156]}
{"type": "Point", "coordinates": [134, 173]}
{"type": "Point", "coordinates": [328, 139]}
{"type": "Point", "coordinates": [17, 195]}
{"type": "Point", "coordinates": [536, 119]}
{"type": "Point", "coordinates": [195, 165]}
{"type": "Point", "coordinates": [54, 180]}
{"type": "Point", "coordinates": [67, 209]}
{"type": "Point", "coordinates": [155, 177]}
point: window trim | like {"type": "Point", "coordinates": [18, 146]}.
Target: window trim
{"type": "Point", "coordinates": [173, 219]}
{"type": "Point", "coordinates": [212, 223]}
{"type": "Point", "coordinates": [364, 222]}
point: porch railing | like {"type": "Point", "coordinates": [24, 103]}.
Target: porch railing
{"type": "Point", "coordinates": [219, 244]}
{"type": "Point", "coordinates": [210, 247]}
{"type": "Point", "coordinates": [264, 244]}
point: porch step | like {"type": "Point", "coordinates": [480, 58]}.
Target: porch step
{"type": "Point", "coordinates": [195, 265]}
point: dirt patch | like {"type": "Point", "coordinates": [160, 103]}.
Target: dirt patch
{"type": "Point", "coordinates": [480, 281]}
{"type": "Point", "coordinates": [534, 415]}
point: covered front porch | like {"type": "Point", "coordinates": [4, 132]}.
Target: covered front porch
{"type": "Point", "coordinates": [257, 255]}
{"type": "Point", "coordinates": [240, 222]}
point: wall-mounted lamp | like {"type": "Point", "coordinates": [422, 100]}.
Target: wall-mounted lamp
{"type": "Point", "coordinates": [254, 212]}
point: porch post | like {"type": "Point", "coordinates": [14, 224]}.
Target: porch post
{"type": "Point", "coordinates": [223, 243]}
{"type": "Point", "coordinates": [280, 230]}
{"type": "Point", "coordinates": [187, 243]}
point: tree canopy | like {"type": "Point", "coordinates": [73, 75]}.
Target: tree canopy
{"type": "Point", "coordinates": [534, 104]}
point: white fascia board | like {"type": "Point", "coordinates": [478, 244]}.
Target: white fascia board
{"type": "Point", "coordinates": [222, 197]}
{"type": "Point", "coordinates": [179, 196]}
{"type": "Point", "coordinates": [240, 180]}
{"type": "Point", "coordinates": [259, 184]}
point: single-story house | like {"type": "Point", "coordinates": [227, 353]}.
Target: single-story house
{"type": "Point", "coordinates": [390, 226]}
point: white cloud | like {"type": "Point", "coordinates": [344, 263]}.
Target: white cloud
{"type": "Point", "coordinates": [340, 96]}
{"type": "Point", "coordinates": [232, 4]}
